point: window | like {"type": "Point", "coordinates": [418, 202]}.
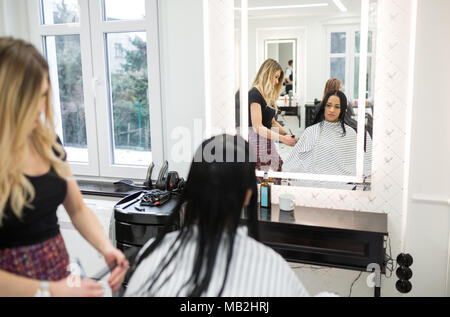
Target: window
{"type": "Point", "coordinates": [104, 68]}
{"type": "Point", "coordinates": [338, 56]}
{"type": "Point", "coordinates": [343, 59]}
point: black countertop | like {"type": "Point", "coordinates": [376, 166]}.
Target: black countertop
{"type": "Point", "coordinates": [105, 189]}
{"type": "Point", "coordinates": [327, 218]}
{"type": "Point", "coordinates": [303, 216]}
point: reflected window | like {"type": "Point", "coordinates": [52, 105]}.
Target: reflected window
{"type": "Point", "coordinates": [338, 42]}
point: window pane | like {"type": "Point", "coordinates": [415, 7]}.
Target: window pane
{"type": "Point", "coordinates": [60, 11]}
{"type": "Point", "coordinates": [338, 69]}
{"type": "Point", "coordinates": [124, 10]}
{"type": "Point", "coordinates": [358, 41]}
{"type": "Point", "coordinates": [64, 58]}
{"type": "Point", "coordinates": [338, 42]}
{"type": "Point", "coordinates": [127, 63]}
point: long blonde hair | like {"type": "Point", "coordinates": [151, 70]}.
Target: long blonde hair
{"type": "Point", "coordinates": [22, 73]}
{"type": "Point", "coordinates": [264, 82]}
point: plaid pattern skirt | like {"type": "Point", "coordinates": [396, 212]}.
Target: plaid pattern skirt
{"type": "Point", "coordinates": [46, 261]}
{"type": "Point", "coordinates": [267, 157]}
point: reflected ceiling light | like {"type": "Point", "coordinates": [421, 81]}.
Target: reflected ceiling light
{"type": "Point", "coordinates": [340, 5]}
{"type": "Point", "coordinates": [287, 7]}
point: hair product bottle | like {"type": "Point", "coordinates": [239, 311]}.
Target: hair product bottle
{"type": "Point", "coordinates": [266, 193]}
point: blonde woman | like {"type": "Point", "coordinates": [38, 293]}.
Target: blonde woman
{"type": "Point", "coordinates": [265, 130]}
{"type": "Point", "coordinates": [34, 180]}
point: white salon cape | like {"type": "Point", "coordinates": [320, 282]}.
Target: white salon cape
{"type": "Point", "coordinates": [255, 271]}
{"type": "Point", "coordinates": [323, 149]}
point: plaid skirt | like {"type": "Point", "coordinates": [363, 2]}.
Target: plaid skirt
{"type": "Point", "coordinates": [46, 261]}
{"type": "Point", "coordinates": [267, 157]}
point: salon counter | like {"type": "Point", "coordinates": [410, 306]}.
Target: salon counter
{"type": "Point", "coordinates": [335, 238]}
{"type": "Point", "coordinates": [105, 189]}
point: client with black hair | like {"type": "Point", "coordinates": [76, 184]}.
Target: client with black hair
{"type": "Point", "coordinates": [212, 254]}
{"type": "Point", "coordinates": [329, 146]}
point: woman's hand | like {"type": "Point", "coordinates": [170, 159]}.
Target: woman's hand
{"type": "Point", "coordinates": [74, 286]}
{"type": "Point", "coordinates": [113, 255]}
{"type": "Point", "coordinates": [289, 140]}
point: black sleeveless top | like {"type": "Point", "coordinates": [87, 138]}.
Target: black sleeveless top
{"type": "Point", "coordinates": [254, 96]}
{"type": "Point", "coordinates": [39, 224]}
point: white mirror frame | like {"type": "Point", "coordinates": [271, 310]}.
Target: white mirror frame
{"type": "Point", "coordinates": [359, 178]}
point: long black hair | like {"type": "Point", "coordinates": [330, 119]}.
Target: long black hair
{"type": "Point", "coordinates": [212, 201]}
{"type": "Point", "coordinates": [320, 117]}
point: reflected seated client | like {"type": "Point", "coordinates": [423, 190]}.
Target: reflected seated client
{"type": "Point", "coordinates": [329, 146]}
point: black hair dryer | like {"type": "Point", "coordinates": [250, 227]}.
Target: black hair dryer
{"type": "Point", "coordinates": [148, 179]}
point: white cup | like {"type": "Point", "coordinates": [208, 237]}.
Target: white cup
{"type": "Point", "coordinates": [287, 202]}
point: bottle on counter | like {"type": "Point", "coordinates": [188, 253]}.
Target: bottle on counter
{"type": "Point", "coordinates": [266, 193]}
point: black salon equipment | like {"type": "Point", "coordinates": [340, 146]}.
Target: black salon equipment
{"type": "Point", "coordinates": [155, 198]}
{"type": "Point", "coordinates": [141, 217]}
{"type": "Point", "coordinates": [148, 179]}
{"type": "Point", "coordinates": [129, 183]}
{"type": "Point", "coordinates": [404, 273]}
{"type": "Point", "coordinates": [160, 182]}
{"type": "Point", "coordinates": [292, 135]}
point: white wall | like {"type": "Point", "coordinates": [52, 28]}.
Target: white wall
{"type": "Point", "coordinates": [14, 19]}
{"type": "Point", "coordinates": [2, 18]}
{"type": "Point", "coordinates": [427, 223]}
{"type": "Point", "coordinates": [182, 72]}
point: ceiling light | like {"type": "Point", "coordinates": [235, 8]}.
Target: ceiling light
{"type": "Point", "coordinates": [340, 5]}
{"type": "Point", "coordinates": [287, 7]}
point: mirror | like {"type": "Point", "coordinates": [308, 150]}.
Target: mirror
{"type": "Point", "coordinates": [284, 51]}
{"type": "Point", "coordinates": [299, 140]}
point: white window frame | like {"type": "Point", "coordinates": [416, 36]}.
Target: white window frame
{"type": "Point", "coordinates": [92, 30]}
{"type": "Point", "coordinates": [349, 30]}
{"type": "Point", "coordinates": [350, 56]}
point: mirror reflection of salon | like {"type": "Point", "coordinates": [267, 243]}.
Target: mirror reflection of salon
{"type": "Point", "coordinates": [323, 43]}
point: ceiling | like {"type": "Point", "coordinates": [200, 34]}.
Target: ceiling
{"type": "Point", "coordinates": [353, 6]}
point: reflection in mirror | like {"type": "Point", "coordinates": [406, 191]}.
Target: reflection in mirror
{"type": "Point", "coordinates": [303, 117]}
{"type": "Point", "coordinates": [237, 59]}
{"type": "Point", "coordinates": [284, 52]}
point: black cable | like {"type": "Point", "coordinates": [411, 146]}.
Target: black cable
{"type": "Point", "coordinates": [351, 287]}
{"type": "Point", "coordinates": [389, 261]}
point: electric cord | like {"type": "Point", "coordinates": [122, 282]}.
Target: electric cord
{"type": "Point", "coordinates": [351, 287]}
{"type": "Point", "coordinates": [389, 262]}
